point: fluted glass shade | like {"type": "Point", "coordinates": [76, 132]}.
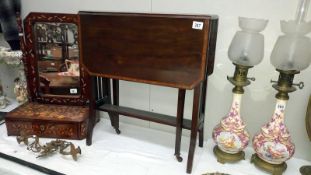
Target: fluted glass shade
{"type": "Point", "coordinates": [247, 46]}
{"type": "Point", "coordinates": [292, 51]}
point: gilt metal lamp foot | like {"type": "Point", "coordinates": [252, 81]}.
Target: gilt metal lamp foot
{"type": "Point", "coordinates": [277, 169]}
{"type": "Point", "coordinates": [223, 157]}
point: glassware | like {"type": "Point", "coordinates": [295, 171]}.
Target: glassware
{"type": "Point", "coordinates": [247, 46]}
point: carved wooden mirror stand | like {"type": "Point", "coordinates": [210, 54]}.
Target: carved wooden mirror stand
{"type": "Point", "coordinates": [56, 81]}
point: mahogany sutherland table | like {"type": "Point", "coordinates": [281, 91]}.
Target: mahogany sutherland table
{"type": "Point", "coordinates": [169, 50]}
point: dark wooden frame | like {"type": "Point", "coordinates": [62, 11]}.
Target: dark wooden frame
{"type": "Point", "coordinates": [31, 61]}
{"type": "Point", "coordinates": [111, 104]}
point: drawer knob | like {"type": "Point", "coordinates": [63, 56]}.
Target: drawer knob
{"type": "Point", "coordinates": [42, 127]}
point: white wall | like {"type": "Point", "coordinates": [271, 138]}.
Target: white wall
{"type": "Point", "coordinates": [259, 98]}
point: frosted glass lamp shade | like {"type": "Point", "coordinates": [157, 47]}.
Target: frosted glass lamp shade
{"type": "Point", "coordinates": [292, 51]}
{"type": "Point", "coordinates": [247, 46]}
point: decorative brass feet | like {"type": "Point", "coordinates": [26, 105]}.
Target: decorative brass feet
{"type": "Point", "coordinates": [223, 157]}
{"type": "Point", "coordinates": [275, 169]}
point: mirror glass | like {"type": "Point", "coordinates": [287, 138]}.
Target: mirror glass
{"type": "Point", "coordinates": [57, 55]}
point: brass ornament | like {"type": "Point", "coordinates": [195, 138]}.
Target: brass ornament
{"type": "Point", "coordinates": [33, 144]}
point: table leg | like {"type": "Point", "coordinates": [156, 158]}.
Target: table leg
{"type": "Point", "coordinates": [201, 136]}
{"type": "Point", "coordinates": [115, 86]}
{"type": "Point", "coordinates": [92, 110]}
{"type": "Point", "coordinates": [202, 112]}
{"type": "Point", "coordinates": [194, 125]}
{"type": "Point", "coordinates": [179, 122]}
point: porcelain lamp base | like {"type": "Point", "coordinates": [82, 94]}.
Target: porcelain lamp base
{"type": "Point", "coordinates": [275, 169]}
{"type": "Point", "coordinates": [223, 157]}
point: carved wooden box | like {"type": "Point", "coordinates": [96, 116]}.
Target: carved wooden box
{"type": "Point", "coordinates": [47, 120]}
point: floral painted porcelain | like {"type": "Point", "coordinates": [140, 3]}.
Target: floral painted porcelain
{"type": "Point", "coordinates": [230, 135]}
{"type": "Point", "coordinates": [4, 102]}
{"type": "Point", "coordinates": [273, 144]}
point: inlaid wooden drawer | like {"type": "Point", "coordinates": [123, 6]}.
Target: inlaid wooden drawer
{"type": "Point", "coordinates": [45, 120]}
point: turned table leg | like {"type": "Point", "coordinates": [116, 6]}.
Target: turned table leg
{"type": "Point", "coordinates": [194, 125]}
{"type": "Point", "coordinates": [179, 122]}
{"type": "Point", "coordinates": [114, 117]}
{"type": "Point", "coordinates": [202, 112]}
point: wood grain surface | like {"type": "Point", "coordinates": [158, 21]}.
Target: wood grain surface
{"type": "Point", "coordinates": [148, 48]}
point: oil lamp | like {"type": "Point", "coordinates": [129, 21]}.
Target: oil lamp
{"type": "Point", "coordinates": [291, 54]}
{"type": "Point", "coordinates": [246, 50]}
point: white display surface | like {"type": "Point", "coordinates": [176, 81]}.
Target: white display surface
{"type": "Point", "coordinates": [136, 151]}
